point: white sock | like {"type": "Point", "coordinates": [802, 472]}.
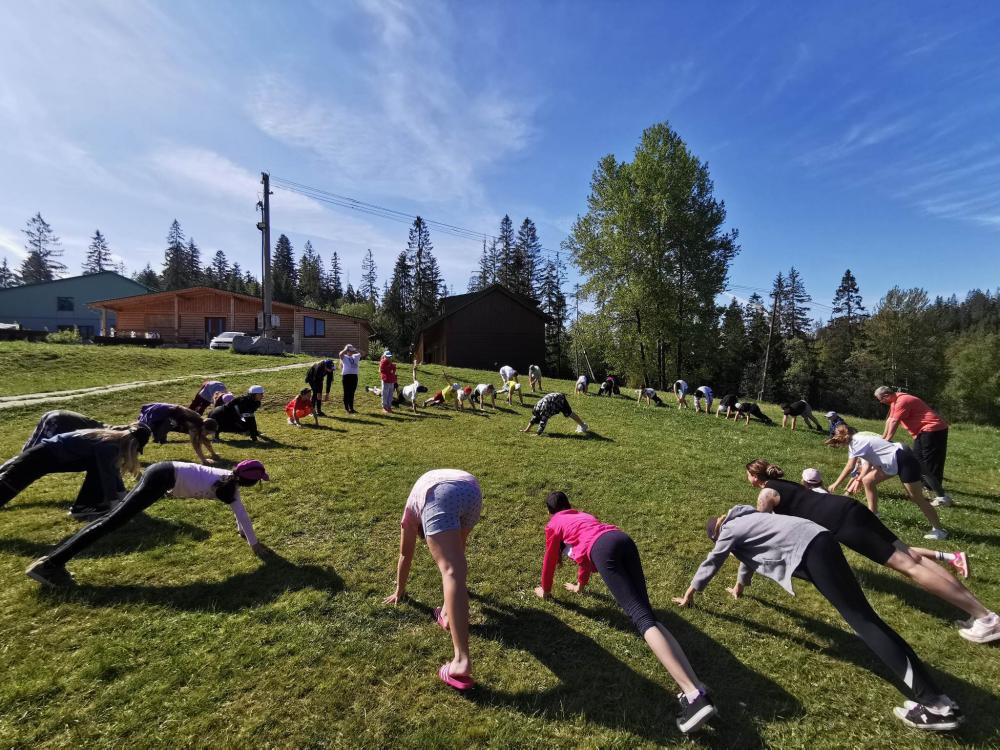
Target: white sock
{"type": "Point", "coordinates": [946, 556]}
{"type": "Point", "coordinates": [692, 697]}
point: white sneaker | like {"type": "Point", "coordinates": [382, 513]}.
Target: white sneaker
{"type": "Point", "coordinates": [942, 502]}
{"type": "Point", "coordinates": [963, 624]}
{"type": "Point", "coordinates": [983, 630]}
{"type": "Point", "coordinates": [937, 535]}
{"type": "Point", "coordinates": [582, 427]}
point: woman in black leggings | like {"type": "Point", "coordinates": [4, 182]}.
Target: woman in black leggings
{"type": "Point", "coordinates": [780, 547]}
{"type": "Point", "coordinates": [181, 480]}
{"type": "Point", "coordinates": [604, 548]}
{"type": "Point", "coordinates": [857, 528]}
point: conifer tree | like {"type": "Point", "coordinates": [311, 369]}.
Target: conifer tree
{"type": "Point", "coordinates": [98, 255]}
{"type": "Point", "coordinates": [148, 278]}
{"type": "Point", "coordinates": [175, 259]}
{"type": "Point", "coordinates": [368, 292]}
{"type": "Point", "coordinates": [527, 265]}
{"type": "Point", "coordinates": [505, 253]}
{"type": "Point", "coordinates": [335, 286]}
{"type": "Point", "coordinates": [795, 321]}
{"type": "Point", "coordinates": [310, 277]}
{"type": "Point", "coordinates": [847, 302]}
{"type": "Point", "coordinates": [41, 263]}
{"type": "Point", "coordinates": [217, 272]}
{"type": "Point", "coordinates": [234, 280]}
{"type": "Point", "coordinates": [553, 304]}
{"type": "Point", "coordinates": [395, 319]}
{"type": "Point", "coordinates": [194, 269]}
{"type": "Point", "coordinates": [8, 278]}
{"type": "Point", "coordinates": [284, 275]}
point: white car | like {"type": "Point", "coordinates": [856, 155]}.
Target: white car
{"type": "Point", "coordinates": [225, 340]}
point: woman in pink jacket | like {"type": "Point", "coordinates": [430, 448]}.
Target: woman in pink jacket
{"type": "Point", "coordinates": [604, 548]}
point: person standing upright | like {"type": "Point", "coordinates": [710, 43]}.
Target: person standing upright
{"type": "Point", "coordinates": [929, 432]}
{"type": "Point", "coordinates": [387, 373]}
{"type": "Point", "coordinates": [350, 358]}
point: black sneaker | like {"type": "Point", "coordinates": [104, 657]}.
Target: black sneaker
{"type": "Point", "coordinates": [694, 713]}
{"type": "Point", "coordinates": [48, 573]}
{"type": "Point", "coordinates": [88, 513]}
{"type": "Point", "coordinates": [919, 716]}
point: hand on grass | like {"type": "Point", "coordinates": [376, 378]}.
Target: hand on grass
{"type": "Point", "coordinates": [683, 601]}
{"type": "Point", "coordinates": [574, 587]}
{"type": "Point", "coordinates": [736, 591]}
{"type": "Point", "coordinates": [395, 598]}
{"type": "Point", "coordinates": [541, 593]}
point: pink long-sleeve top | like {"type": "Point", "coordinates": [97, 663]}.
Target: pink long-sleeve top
{"type": "Point", "coordinates": [575, 531]}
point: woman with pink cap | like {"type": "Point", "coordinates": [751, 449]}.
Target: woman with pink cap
{"type": "Point", "coordinates": [178, 478]}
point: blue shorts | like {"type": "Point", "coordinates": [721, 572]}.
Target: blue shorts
{"type": "Point", "coordinates": [451, 506]}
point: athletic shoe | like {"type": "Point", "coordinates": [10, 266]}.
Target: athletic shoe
{"type": "Point", "coordinates": [582, 427]}
{"type": "Point", "coordinates": [983, 630]}
{"type": "Point", "coordinates": [49, 573]}
{"type": "Point", "coordinates": [966, 623]}
{"type": "Point", "coordinates": [88, 513]}
{"type": "Point", "coordinates": [923, 717]}
{"type": "Point", "coordinates": [942, 502]}
{"type": "Point", "coordinates": [937, 535]}
{"type": "Point", "coordinates": [961, 563]}
{"type": "Point", "coordinates": [694, 713]}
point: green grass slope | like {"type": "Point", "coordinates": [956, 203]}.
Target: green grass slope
{"type": "Point", "coordinates": [37, 368]}
{"type": "Point", "coordinates": [176, 635]}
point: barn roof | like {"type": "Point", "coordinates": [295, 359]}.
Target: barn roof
{"type": "Point", "coordinates": [459, 302]}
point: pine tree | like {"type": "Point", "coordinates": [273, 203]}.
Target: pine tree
{"type": "Point", "coordinates": [7, 277]}
{"type": "Point", "coordinates": [553, 304]}
{"type": "Point", "coordinates": [194, 269]}
{"type": "Point", "coordinates": [795, 321]}
{"type": "Point", "coordinates": [505, 253]}
{"type": "Point", "coordinates": [98, 255]}
{"type": "Point", "coordinates": [43, 250]}
{"type": "Point", "coordinates": [349, 297]}
{"type": "Point", "coordinates": [395, 319]}
{"type": "Point", "coordinates": [250, 285]}
{"type": "Point", "coordinates": [334, 284]}
{"type": "Point", "coordinates": [175, 274]}
{"type": "Point", "coordinates": [732, 349]}
{"type": "Point", "coordinates": [310, 277]}
{"type": "Point", "coordinates": [148, 278]}
{"type": "Point", "coordinates": [284, 276]}
{"type": "Point", "coordinates": [234, 280]}
{"type": "Point", "coordinates": [217, 272]}
{"type": "Point", "coordinates": [847, 303]}
{"type": "Point", "coordinates": [527, 265]}
{"type": "Point", "coordinates": [369, 278]}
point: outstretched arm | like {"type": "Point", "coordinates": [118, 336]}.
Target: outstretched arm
{"type": "Point", "coordinates": [407, 547]}
{"type": "Point", "coordinates": [848, 468]}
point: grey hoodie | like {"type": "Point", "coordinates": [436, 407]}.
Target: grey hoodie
{"type": "Point", "coordinates": [764, 543]}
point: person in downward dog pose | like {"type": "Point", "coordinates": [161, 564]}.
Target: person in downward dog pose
{"type": "Point", "coordinates": [176, 478]}
{"type": "Point", "coordinates": [162, 419]}
{"type": "Point", "coordinates": [885, 460]}
{"type": "Point", "coordinates": [649, 394]}
{"type": "Point", "coordinates": [747, 409]}
{"type": "Point", "coordinates": [207, 395]}
{"type": "Point", "coordinates": [680, 391]}
{"type": "Point", "coordinates": [547, 407]}
{"type": "Point", "coordinates": [582, 385]}
{"type": "Point", "coordinates": [239, 415]}
{"type": "Point", "coordinates": [510, 388]}
{"type": "Point", "coordinates": [857, 528]}
{"type": "Point", "coordinates": [783, 547]}
{"type": "Point", "coordinates": [481, 392]}
{"type": "Point", "coordinates": [60, 421]}
{"type": "Point", "coordinates": [703, 393]}
{"type": "Point", "coordinates": [535, 378]}
{"type": "Point", "coordinates": [601, 547]}
{"type": "Point", "coordinates": [797, 409]}
{"type": "Point", "coordinates": [443, 507]}
{"type": "Point", "coordinates": [727, 402]}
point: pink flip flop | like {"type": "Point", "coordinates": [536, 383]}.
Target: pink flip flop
{"type": "Point", "coordinates": [439, 618]}
{"type": "Point", "coordinates": [458, 682]}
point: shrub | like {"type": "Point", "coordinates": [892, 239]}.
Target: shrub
{"type": "Point", "coordinates": [68, 336]}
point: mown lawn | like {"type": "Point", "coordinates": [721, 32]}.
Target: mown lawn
{"type": "Point", "coordinates": [176, 635]}
{"type": "Point", "coordinates": [36, 368]}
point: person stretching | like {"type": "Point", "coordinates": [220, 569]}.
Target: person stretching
{"type": "Point", "coordinates": [680, 391]}
{"type": "Point", "coordinates": [102, 454]}
{"type": "Point", "coordinates": [452, 391]}
{"type": "Point", "coordinates": [387, 374]}
{"type": "Point", "coordinates": [606, 549]}
{"type": "Point", "coordinates": [176, 478]}
{"type": "Point", "coordinates": [727, 402]}
{"type": "Point", "coordinates": [857, 528]}
{"type": "Point", "coordinates": [535, 378]}
{"type": "Point", "coordinates": [780, 547]}
{"type": "Point", "coordinates": [835, 420]}
{"type": "Point", "coordinates": [162, 419]}
{"type": "Point", "coordinates": [547, 407]}
{"type": "Point", "coordinates": [300, 407]}
{"type": "Point", "coordinates": [510, 388]}
{"type": "Point", "coordinates": [703, 393]}
{"type": "Point", "coordinates": [582, 384]}
{"type": "Point", "coordinates": [747, 409]}
{"type": "Point", "coordinates": [205, 397]}
{"type": "Point", "coordinates": [350, 358]}
{"type": "Point", "coordinates": [325, 369]}
{"type": "Point", "coordinates": [59, 421]}
{"type": "Point", "coordinates": [508, 373]}
{"type": "Point", "coordinates": [481, 392]}
{"type": "Point", "coordinates": [650, 395]}
{"type": "Point", "coordinates": [797, 409]}
{"type": "Point", "coordinates": [443, 507]}
{"type": "Point", "coordinates": [239, 415]}
{"type": "Point", "coordinates": [885, 460]}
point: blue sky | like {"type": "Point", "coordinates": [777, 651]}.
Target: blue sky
{"type": "Point", "coordinates": [842, 135]}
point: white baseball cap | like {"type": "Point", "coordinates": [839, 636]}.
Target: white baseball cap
{"type": "Point", "coordinates": [256, 389]}
{"type": "Point", "coordinates": [387, 353]}
{"type": "Point", "coordinates": [831, 414]}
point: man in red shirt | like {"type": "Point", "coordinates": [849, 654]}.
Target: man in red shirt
{"type": "Point", "coordinates": [929, 432]}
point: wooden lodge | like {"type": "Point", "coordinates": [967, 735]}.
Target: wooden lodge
{"type": "Point", "coordinates": [485, 330]}
{"type": "Point", "coordinates": [193, 316]}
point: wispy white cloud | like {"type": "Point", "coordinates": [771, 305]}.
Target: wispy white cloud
{"type": "Point", "coordinates": [11, 244]}
{"type": "Point", "coordinates": [858, 137]}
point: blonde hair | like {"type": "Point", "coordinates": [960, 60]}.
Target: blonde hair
{"type": "Point", "coordinates": [842, 435]}
{"type": "Point", "coordinates": [128, 447]}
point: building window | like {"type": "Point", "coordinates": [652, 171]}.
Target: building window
{"type": "Point", "coordinates": [313, 327]}
{"type": "Point", "coordinates": [64, 304]}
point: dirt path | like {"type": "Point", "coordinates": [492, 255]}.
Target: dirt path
{"type": "Point", "coordinates": [31, 399]}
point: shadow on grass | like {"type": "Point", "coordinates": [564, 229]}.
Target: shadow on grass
{"type": "Point", "coordinates": [597, 685]}
{"type": "Point", "coordinates": [589, 435]}
{"type": "Point", "coordinates": [981, 708]}
{"type": "Point", "coordinates": [908, 592]}
{"type": "Point", "coordinates": [273, 577]}
{"type": "Point", "coordinates": [356, 420]}
{"type": "Point", "coordinates": [262, 444]}
{"type": "Point", "coordinates": [389, 417]}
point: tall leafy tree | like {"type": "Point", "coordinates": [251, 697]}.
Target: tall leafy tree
{"type": "Point", "coordinates": [234, 280]}
{"type": "Point", "coordinates": [527, 264]}
{"type": "Point", "coordinates": [44, 250]}
{"type": "Point", "coordinates": [148, 278]}
{"type": "Point", "coordinates": [284, 274]}
{"type": "Point", "coordinates": [505, 253]}
{"type": "Point", "coordinates": [369, 278]}
{"type": "Point", "coordinates": [98, 255]}
{"type": "Point", "coordinates": [756, 324]}
{"type": "Point", "coordinates": [176, 273]}
{"type": "Point", "coordinates": [310, 277]}
{"type": "Point", "coordinates": [7, 277]}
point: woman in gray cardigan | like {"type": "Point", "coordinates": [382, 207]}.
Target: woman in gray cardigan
{"type": "Point", "coordinates": [780, 547]}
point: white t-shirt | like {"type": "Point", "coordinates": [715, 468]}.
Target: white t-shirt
{"type": "Point", "coordinates": [648, 392]}
{"type": "Point", "coordinates": [198, 482]}
{"type": "Point", "coordinates": [462, 395]}
{"type": "Point", "coordinates": [681, 386]}
{"type": "Point", "coordinates": [876, 451]}
{"type": "Point", "coordinates": [704, 391]}
{"type": "Point", "coordinates": [582, 380]}
{"type": "Point", "coordinates": [507, 372]}
{"type": "Point", "coordinates": [535, 372]}
{"type": "Point", "coordinates": [410, 391]}
{"type": "Point", "coordinates": [483, 388]}
{"type": "Point", "coordinates": [349, 363]}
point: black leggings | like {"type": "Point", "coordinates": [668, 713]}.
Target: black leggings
{"type": "Point", "coordinates": [825, 566]}
{"type": "Point", "coordinates": [616, 558]}
{"type": "Point", "coordinates": [932, 450]}
{"type": "Point", "coordinates": [350, 383]}
{"type": "Point", "coordinates": [24, 470]}
{"type": "Point", "coordinates": [157, 480]}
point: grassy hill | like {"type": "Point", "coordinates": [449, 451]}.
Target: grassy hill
{"type": "Point", "coordinates": [176, 635]}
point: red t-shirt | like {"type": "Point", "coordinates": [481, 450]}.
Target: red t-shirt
{"type": "Point", "coordinates": [915, 415]}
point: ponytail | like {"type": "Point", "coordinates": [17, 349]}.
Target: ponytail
{"type": "Point", "coordinates": [842, 435]}
{"type": "Point", "coordinates": [764, 471]}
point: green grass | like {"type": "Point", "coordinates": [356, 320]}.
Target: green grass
{"type": "Point", "coordinates": [34, 368]}
{"type": "Point", "coordinates": [177, 636]}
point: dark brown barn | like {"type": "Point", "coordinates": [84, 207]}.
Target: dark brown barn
{"type": "Point", "coordinates": [481, 330]}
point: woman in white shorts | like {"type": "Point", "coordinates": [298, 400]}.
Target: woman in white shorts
{"type": "Point", "coordinates": [443, 506]}
{"type": "Point", "coordinates": [582, 384]}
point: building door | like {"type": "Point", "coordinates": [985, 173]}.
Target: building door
{"type": "Point", "coordinates": [213, 327]}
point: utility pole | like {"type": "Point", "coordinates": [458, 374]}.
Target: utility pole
{"type": "Point", "coordinates": [265, 238]}
{"type": "Point", "coordinates": [767, 351]}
